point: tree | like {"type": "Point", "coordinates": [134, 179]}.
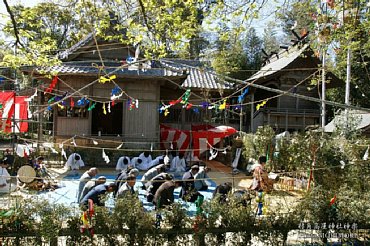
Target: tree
{"type": "Point", "coordinates": [298, 16]}
{"type": "Point", "coordinates": [270, 42]}
{"type": "Point", "coordinates": [43, 31]}
{"type": "Point", "coordinates": [160, 27]}
{"type": "Point", "coordinates": [253, 49]}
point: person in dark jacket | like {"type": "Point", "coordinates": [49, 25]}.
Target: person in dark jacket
{"type": "Point", "coordinates": [188, 192]}
{"type": "Point", "coordinates": [164, 195]}
{"type": "Point", "coordinates": [155, 183]}
{"type": "Point", "coordinates": [97, 193]}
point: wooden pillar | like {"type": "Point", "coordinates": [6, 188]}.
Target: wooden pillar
{"type": "Point", "coordinates": [252, 112]}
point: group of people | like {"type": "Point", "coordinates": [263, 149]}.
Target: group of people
{"type": "Point", "coordinates": [158, 180]}
{"type": "Point", "coordinates": [144, 162]}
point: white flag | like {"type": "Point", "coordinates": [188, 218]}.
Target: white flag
{"type": "Point", "coordinates": [366, 155]}
{"type": "Point", "coordinates": [105, 157]}
{"type": "Point", "coordinates": [74, 142]}
{"type": "Point", "coordinates": [64, 154]}
{"type": "Point", "coordinates": [53, 150]}
{"type": "Point", "coordinates": [213, 153]}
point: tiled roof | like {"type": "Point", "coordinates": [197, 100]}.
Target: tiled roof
{"type": "Point", "coordinates": [64, 55]}
{"type": "Point", "coordinates": [282, 60]}
{"type": "Point", "coordinates": [86, 68]}
{"type": "Point", "coordinates": [362, 117]}
{"type": "Point", "coordinates": [198, 77]}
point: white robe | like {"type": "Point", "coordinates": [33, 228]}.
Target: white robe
{"type": "Point", "coordinates": [4, 177]}
{"type": "Point", "coordinates": [73, 164]}
{"type": "Point", "coordinates": [120, 165]}
{"type": "Point", "coordinates": [178, 165]}
{"type": "Point", "coordinates": [146, 162]}
{"type": "Point", "coordinates": [200, 179]}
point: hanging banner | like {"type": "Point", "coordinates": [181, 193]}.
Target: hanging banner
{"type": "Point", "coordinates": [10, 109]}
{"type": "Point", "coordinates": [170, 135]}
{"type": "Point", "coordinates": [202, 137]}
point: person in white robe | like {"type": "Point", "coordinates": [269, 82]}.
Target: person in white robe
{"type": "Point", "coordinates": [122, 163]}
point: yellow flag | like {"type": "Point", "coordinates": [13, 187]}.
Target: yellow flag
{"type": "Point", "coordinates": [166, 112]}
{"type": "Point", "coordinates": [104, 111]}
{"type": "Point", "coordinates": [103, 79]}
{"type": "Point", "coordinates": [260, 105]}
{"type": "Point", "coordinates": [222, 106]}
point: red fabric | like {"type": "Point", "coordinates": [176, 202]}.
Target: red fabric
{"type": "Point", "coordinates": [10, 109]}
{"type": "Point", "coordinates": [202, 140]}
{"type": "Point", "coordinates": [52, 85]}
{"type": "Point", "coordinates": [201, 137]}
{"type": "Point", "coordinates": [201, 127]}
{"type": "Point", "coordinates": [179, 139]}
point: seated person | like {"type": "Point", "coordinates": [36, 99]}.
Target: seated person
{"type": "Point", "coordinates": [151, 173]}
{"type": "Point", "coordinates": [40, 168]}
{"type": "Point", "coordinates": [127, 187]}
{"type": "Point", "coordinates": [123, 163]}
{"type": "Point", "coordinates": [146, 158]}
{"type": "Point", "coordinates": [188, 192]}
{"type": "Point", "coordinates": [164, 195]}
{"type": "Point", "coordinates": [178, 164]}
{"type": "Point", "coordinates": [158, 160]}
{"type": "Point", "coordinates": [200, 178]}
{"type": "Point", "coordinates": [97, 194]}
{"type": "Point", "coordinates": [74, 162]}
{"type": "Point", "coordinates": [4, 177]}
{"type": "Point", "coordinates": [91, 184]}
{"type": "Point", "coordinates": [154, 184]}
{"type": "Point", "coordinates": [45, 181]}
{"type": "Point", "coordinates": [136, 162]}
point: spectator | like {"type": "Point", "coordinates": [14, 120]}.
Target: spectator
{"type": "Point", "coordinates": [221, 192]}
{"type": "Point", "coordinates": [260, 178]}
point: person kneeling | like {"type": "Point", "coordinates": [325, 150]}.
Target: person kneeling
{"type": "Point", "coordinates": [164, 195]}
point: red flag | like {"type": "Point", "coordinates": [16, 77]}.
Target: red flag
{"type": "Point", "coordinates": [332, 201]}
{"type": "Point", "coordinates": [52, 84]}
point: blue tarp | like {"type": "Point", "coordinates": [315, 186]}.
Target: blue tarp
{"type": "Point", "coordinates": [67, 193]}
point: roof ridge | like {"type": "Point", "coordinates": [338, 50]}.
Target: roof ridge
{"type": "Point", "coordinates": [76, 46]}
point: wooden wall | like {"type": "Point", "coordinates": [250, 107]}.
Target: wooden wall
{"type": "Point", "coordinates": [141, 124]}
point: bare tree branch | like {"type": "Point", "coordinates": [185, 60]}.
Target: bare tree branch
{"type": "Point", "coordinates": [14, 23]}
{"type": "Point", "coordinates": [142, 8]}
